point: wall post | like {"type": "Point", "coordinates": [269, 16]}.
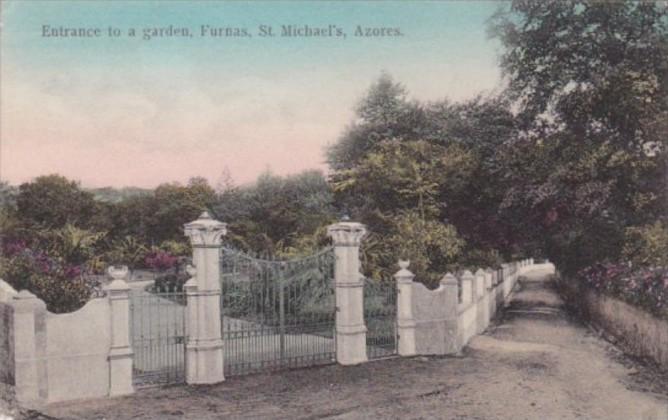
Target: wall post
{"type": "Point", "coordinates": [482, 301]}
{"type": "Point", "coordinates": [120, 353]}
{"type": "Point", "coordinates": [467, 287]}
{"type": "Point", "coordinates": [451, 302]}
{"type": "Point", "coordinates": [204, 349]}
{"type": "Point", "coordinates": [30, 380]}
{"type": "Point", "coordinates": [349, 286]}
{"type": "Point", "coordinates": [405, 319]}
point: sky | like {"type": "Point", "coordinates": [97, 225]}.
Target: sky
{"type": "Point", "coordinates": [127, 111]}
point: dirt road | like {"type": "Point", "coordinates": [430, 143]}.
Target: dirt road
{"type": "Point", "coordinates": [536, 363]}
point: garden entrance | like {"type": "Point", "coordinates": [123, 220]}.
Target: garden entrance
{"type": "Point", "coordinates": [277, 314]}
{"type": "Point", "coordinates": [380, 317]}
{"type": "Point", "coordinates": [158, 335]}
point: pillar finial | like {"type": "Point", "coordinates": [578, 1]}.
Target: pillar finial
{"type": "Point", "coordinates": [347, 233]}
{"type": "Point", "coordinates": [205, 231]}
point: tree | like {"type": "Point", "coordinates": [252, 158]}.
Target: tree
{"type": "Point", "coordinates": [589, 80]}
{"type": "Point", "coordinates": [383, 113]}
{"type": "Point", "coordinates": [278, 214]}
{"type": "Point", "coordinates": [53, 201]}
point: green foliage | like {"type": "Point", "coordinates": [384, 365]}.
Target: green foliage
{"type": "Point", "coordinates": [71, 244]}
{"type": "Point", "coordinates": [52, 202]}
{"type": "Point", "coordinates": [647, 245]}
{"type": "Point", "coordinates": [126, 251]}
{"type": "Point", "coordinates": [431, 246]}
{"type": "Point", "coordinates": [403, 175]}
{"type": "Point", "coordinates": [590, 84]}
{"type": "Point", "coordinates": [278, 214]}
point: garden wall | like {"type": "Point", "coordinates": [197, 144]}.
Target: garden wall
{"type": "Point", "coordinates": [442, 321]}
{"type": "Point", "coordinates": [56, 357]}
{"type": "Point", "coordinates": [638, 332]}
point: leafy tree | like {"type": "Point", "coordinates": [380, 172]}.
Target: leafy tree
{"type": "Point", "coordinates": [383, 113]}
{"type": "Point", "coordinates": [53, 201]}
{"type": "Point", "coordinates": [589, 82]}
{"type": "Point", "coordinates": [405, 175]}
{"type": "Point", "coordinates": [277, 213]}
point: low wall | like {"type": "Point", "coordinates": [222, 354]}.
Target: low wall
{"type": "Point", "coordinates": [637, 332]}
{"type": "Point", "coordinates": [56, 357]}
{"type": "Point", "coordinates": [77, 350]}
{"type": "Point", "coordinates": [434, 320]}
{"type": "Point", "coordinates": [442, 321]}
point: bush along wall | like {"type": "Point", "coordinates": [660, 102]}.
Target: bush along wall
{"type": "Point", "coordinates": [645, 288]}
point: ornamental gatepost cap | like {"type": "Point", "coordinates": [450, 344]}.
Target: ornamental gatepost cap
{"type": "Point", "coordinates": [205, 231]}
{"type": "Point", "coordinates": [404, 274]}
{"type": "Point", "coordinates": [347, 233]}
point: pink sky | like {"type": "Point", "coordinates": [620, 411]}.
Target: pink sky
{"type": "Point", "coordinates": [127, 113]}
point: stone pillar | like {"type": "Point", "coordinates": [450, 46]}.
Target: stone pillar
{"type": "Point", "coordinates": [349, 285]}
{"type": "Point", "coordinates": [451, 298]}
{"type": "Point", "coordinates": [405, 319]}
{"type": "Point", "coordinates": [120, 353]}
{"type": "Point", "coordinates": [204, 349]}
{"type": "Point", "coordinates": [30, 374]}
{"type": "Point", "coordinates": [467, 287]}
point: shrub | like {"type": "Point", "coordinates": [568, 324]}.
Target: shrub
{"type": "Point", "coordinates": [647, 245]}
{"type": "Point", "coordinates": [63, 287]}
{"type": "Point", "coordinates": [646, 288]}
{"type": "Point", "coordinates": [160, 260]}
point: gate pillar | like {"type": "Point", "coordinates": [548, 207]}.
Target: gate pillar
{"type": "Point", "coordinates": [349, 286]}
{"type": "Point", "coordinates": [120, 353]}
{"type": "Point", "coordinates": [204, 348]}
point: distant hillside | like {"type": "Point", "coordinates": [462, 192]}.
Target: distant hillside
{"type": "Point", "coordinates": [115, 195]}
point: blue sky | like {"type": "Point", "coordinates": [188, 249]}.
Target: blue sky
{"type": "Point", "coordinates": [124, 111]}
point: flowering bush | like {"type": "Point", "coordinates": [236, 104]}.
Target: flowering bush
{"type": "Point", "coordinates": [646, 288]}
{"type": "Point", "coordinates": [62, 286]}
{"type": "Point", "coordinates": [160, 260]}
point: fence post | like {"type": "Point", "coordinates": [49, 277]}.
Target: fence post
{"type": "Point", "coordinates": [31, 380]}
{"type": "Point", "coordinates": [204, 349]}
{"type": "Point", "coordinates": [451, 302]}
{"type": "Point", "coordinates": [349, 284]}
{"type": "Point", "coordinates": [482, 301]}
{"type": "Point", "coordinates": [467, 287]}
{"type": "Point", "coordinates": [405, 320]}
{"type": "Point", "coordinates": [120, 353]}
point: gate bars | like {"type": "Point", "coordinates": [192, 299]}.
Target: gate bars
{"type": "Point", "coordinates": [276, 314]}
{"type": "Point", "coordinates": [157, 331]}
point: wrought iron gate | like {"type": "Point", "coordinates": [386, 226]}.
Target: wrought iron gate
{"type": "Point", "coordinates": [380, 316]}
{"type": "Point", "coordinates": [277, 314]}
{"type": "Point", "coordinates": [158, 334]}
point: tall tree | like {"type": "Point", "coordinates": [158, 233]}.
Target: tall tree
{"type": "Point", "coordinates": [589, 80]}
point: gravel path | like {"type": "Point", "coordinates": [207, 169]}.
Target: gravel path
{"type": "Point", "coordinates": [536, 363]}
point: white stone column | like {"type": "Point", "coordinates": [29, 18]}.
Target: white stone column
{"type": "Point", "coordinates": [30, 379]}
{"type": "Point", "coordinates": [349, 286]}
{"type": "Point", "coordinates": [120, 353]}
{"type": "Point", "coordinates": [405, 319]}
{"type": "Point", "coordinates": [204, 348]}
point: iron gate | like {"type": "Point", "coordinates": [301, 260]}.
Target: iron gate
{"type": "Point", "coordinates": [380, 316]}
{"type": "Point", "coordinates": [157, 331]}
{"type": "Point", "coordinates": [277, 314]}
